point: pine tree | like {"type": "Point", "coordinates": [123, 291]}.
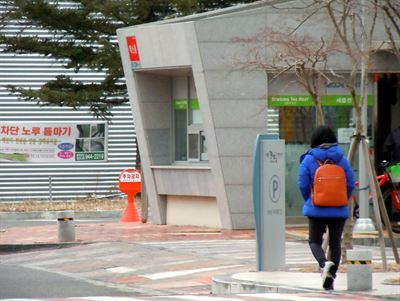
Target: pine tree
{"type": "Point", "coordinates": [83, 36]}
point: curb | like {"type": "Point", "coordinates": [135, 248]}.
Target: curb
{"type": "Point", "coordinates": [374, 241]}
{"type": "Point", "coordinates": [53, 214]}
{"type": "Point", "coordinates": [225, 285]}
{"type": "Point", "coordinates": [360, 241]}
{"type": "Point", "coordinates": [10, 248]}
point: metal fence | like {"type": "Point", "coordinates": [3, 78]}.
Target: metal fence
{"type": "Point", "coordinates": [35, 181]}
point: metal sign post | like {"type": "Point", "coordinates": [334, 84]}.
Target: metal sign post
{"type": "Point", "coordinates": [269, 202]}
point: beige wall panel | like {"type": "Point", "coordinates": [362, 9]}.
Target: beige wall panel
{"type": "Point", "coordinates": [191, 210]}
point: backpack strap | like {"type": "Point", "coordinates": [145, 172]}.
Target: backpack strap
{"type": "Point", "coordinates": [327, 161]}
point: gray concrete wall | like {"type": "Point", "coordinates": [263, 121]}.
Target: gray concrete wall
{"type": "Point", "coordinates": [144, 99]}
{"type": "Point", "coordinates": [154, 103]}
{"type": "Point", "coordinates": [237, 106]}
{"type": "Point", "coordinates": [161, 47]}
{"type": "Point", "coordinates": [184, 180]}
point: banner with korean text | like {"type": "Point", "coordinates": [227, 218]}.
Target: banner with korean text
{"type": "Point", "coordinates": [52, 142]}
{"type": "Point", "coordinates": [288, 92]}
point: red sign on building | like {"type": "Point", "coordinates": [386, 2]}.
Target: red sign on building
{"type": "Point", "coordinates": [133, 51]}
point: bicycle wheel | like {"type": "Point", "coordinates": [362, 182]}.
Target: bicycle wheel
{"type": "Point", "coordinates": [393, 213]}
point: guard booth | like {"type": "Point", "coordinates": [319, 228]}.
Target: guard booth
{"type": "Point", "coordinates": [197, 112]}
{"type": "Point", "coordinates": [196, 118]}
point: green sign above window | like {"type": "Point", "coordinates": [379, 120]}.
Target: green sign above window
{"type": "Point", "coordinates": [306, 101]}
{"type": "Point", "coordinates": [181, 104]}
{"type": "Point", "coordinates": [194, 104]}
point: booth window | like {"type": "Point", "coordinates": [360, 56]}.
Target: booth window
{"type": "Point", "coordinates": [180, 127]}
{"type": "Point", "coordinates": [295, 115]}
{"type": "Point", "coordinates": [296, 124]}
{"type": "Point", "coordinates": [190, 141]}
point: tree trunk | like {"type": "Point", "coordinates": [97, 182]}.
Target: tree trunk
{"type": "Point", "coordinates": [320, 119]}
{"type": "Point", "coordinates": [347, 242]}
{"type": "Point", "coordinates": [320, 115]}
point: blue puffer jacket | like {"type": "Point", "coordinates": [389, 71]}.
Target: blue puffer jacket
{"type": "Point", "coordinates": [308, 166]}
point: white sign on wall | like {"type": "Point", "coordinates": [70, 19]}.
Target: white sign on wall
{"type": "Point", "coordinates": [52, 142]}
{"type": "Point", "coordinates": [344, 135]}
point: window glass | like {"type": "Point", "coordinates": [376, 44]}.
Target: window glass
{"type": "Point", "coordinates": [180, 130]}
{"type": "Point", "coordinates": [190, 141]}
{"type": "Point", "coordinates": [296, 124]}
{"type": "Point", "coordinates": [194, 149]}
{"type": "Point", "coordinates": [296, 112]}
{"type": "Point", "coordinates": [194, 108]}
{"type": "Point", "coordinates": [194, 112]}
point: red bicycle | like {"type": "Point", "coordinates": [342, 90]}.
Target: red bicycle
{"type": "Point", "coordinates": [389, 182]}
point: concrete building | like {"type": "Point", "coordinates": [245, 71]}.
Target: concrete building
{"type": "Point", "coordinates": [198, 108]}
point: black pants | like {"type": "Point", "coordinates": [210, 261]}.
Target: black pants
{"type": "Point", "coordinates": [316, 229]}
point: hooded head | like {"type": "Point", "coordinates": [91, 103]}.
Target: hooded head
{"type": "Point", "coordinates": [324, 145]}
{"type": "Point", "coordinates": [323, 135]}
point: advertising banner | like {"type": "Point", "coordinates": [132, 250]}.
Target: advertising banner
{"type": "Point", "coordinates": [52, 142]}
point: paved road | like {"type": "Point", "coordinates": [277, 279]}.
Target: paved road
{"type": "Point", "coordinates": [136, 269]}
{"type": "Point", "coordinates": [236, 297]}
{"type": "Point", "coordinates": [150, 262]}
{"type": "Point", "coordinates": [33, 283]}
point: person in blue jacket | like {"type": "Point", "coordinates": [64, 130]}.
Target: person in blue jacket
{"type": "Point", "coordinates": [324, 146]}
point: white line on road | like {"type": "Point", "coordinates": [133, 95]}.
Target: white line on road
{"type": "Point", "coordinates": [165, 275]}
{"type": "Point", "coordinates": [291, 297]}
{"type": "Point", "coordinates": [202, 298]}
{"type": "Point", "coordinates": [98, 298]}
{"type": "Point", "coordinates": [120, 270]}
{"type": "Point", "coordinates": [21, 299]}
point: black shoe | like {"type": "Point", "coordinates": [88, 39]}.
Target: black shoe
{"type": "Point", "coordinates": [330, 288]}
{"type": "Point", "coordinates": [327, 277]}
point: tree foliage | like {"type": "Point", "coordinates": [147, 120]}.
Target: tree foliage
{"type": "Point", "coordinates": [83, 37]}
{"type": "Point", "coordinates": [299, 54]}
{"type": "Point", "coordinates": [391, 10]}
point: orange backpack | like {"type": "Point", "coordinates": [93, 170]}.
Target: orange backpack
{"type": "Point", "coordinates": [330, 189]}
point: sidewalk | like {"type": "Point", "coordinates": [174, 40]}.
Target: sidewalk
{"type": "Point", "coordinates": [300, 282]}
{"type": "Point", "coordinates": [297, 282]}
{"type": "Point", "coordinates": [109, 231]}
{"type": "Point", "coordinates": [240, 281]}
